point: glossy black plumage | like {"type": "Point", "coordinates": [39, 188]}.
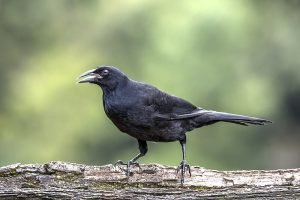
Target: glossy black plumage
{"type": "Point", "coordinates": [148, 114]}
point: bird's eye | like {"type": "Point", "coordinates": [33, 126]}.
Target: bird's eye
{"type": "Point", "coordinates": [104, 72]}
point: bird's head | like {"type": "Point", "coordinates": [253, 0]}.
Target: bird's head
{"type": "Point", "coordinates": [107, 77]}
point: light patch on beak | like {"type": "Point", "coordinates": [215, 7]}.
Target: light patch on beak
{"type": "Point", "coordinates": [87, 73]}
{"type": "Point", "coordinates": [89, 77]}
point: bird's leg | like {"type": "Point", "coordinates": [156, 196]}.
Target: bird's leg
{"type": "Point", "coordinates": [143, 150]}
{"type": "Point", "coordinates": [183, 164]}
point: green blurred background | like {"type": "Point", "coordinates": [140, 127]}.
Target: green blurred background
{"type": "Point", "coordinates": [233, 56]}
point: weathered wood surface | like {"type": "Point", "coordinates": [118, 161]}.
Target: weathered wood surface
{"type": "Point", "coordinates": [60, 180]}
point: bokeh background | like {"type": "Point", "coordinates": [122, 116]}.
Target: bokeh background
{"type": "Point", "coordinates": [233, 56]}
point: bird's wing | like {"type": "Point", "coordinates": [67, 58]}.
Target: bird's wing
{"type": "Point", "coordinates": [163, 105]}
{"type": "Point", "coordinates": [169, 107]}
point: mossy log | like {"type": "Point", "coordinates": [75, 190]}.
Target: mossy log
{"type": "Point", "coordinates": [60, 180]}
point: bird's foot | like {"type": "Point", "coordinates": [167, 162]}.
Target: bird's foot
{"type": "Point", "coordinates": [128, 165]}
{"type": "Point", "coordinates": [183, 166]}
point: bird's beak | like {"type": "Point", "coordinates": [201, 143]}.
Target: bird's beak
{"type": "Point", "coordinates": [89, 77]}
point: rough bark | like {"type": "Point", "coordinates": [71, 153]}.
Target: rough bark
{"type": "Point", "coordinates": [60, 180]}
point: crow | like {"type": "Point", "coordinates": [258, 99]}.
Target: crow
{"type": "Point", "coordinates": [149, 114]}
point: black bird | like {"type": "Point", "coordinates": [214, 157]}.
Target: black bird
{"type": "Point", "coordinates": [148, 114]}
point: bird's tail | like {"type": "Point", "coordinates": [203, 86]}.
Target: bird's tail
{"type": "Point", "coordinates": [238, 119]}
{"type": "Point", "coordinates": [209, 117]}
{"type": "Point", "coordinates": [202, 117]}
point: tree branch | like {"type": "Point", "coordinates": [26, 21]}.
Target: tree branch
{"type": "Point", "coordinates": [60, 180]}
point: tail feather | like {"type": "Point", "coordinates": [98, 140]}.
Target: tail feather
{"type": "Point", "coordinates": [202, 117]}
{"type": "Point", "coordinates": [234, 118]}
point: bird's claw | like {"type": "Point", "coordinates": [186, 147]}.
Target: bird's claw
{"type": "Point", "coordinates": [128, 164]}
{"type": "Point", "coordinates": [182, 167]}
